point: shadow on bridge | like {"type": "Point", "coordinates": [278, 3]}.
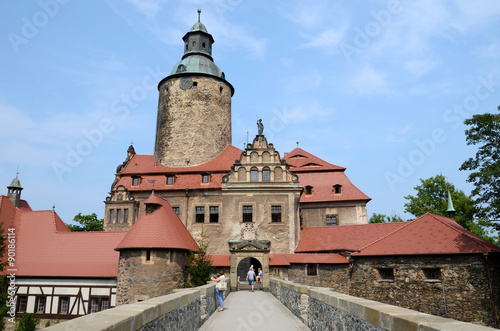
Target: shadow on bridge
{"type": "Point", "coordinates": [249, 311]}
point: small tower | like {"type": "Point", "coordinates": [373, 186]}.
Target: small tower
{"type": "Point", "coordinates": [153, 254]}
{"type": "Point", "coordinates": [451, 210]}
{"type": "Point", "coordinates": [14, 191]}
{"type": "Point", "coordinates": [194, 106]}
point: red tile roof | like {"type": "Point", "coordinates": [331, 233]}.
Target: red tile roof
{"type": "Point", "coordinates": [300, 161]}
{"type": "Point", "coordinates": [46, 248]}
{"type": "Point", "coordinates": [322, 176]}
{"type": "Point", "coordinates": [221, 260]}
{"type": "Point", "coordinates": [147, 164]}
{"type": "Point", "coordinates": [160, 228]}
{"type": "Point", "coordinates": [342, 238]}
{"type": "Point", "coordinates": [317, 258]}
{"type": "Point", "coordinates": [185, 177]}
{"type": "Point", "coordinates": [428, 234]}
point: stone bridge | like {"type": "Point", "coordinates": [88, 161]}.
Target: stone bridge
{"type": "Point", "coordinates": [288, 306]}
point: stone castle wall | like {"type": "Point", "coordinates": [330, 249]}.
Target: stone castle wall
{"type": "Point", "coordinates": [140, 280]}
{"type": "Point", "coordinates": [193, 123]}
{"type": "Point", "coordinates": [462, 293]}
{"type": "Point", "coordinates": [334, 276]}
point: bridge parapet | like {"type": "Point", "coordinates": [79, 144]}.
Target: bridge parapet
{"type": "Point", "coordinates": [329, 310]}
{"type": "Point", "coordinates": [185, 309]}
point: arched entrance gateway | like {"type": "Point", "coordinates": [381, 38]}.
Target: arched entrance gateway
{"type": "Point", "coordinates": [245, 253]}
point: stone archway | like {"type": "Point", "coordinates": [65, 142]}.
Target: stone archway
{"type": "Point", "coordinates": [256, 249]}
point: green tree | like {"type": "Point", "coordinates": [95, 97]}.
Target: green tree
{"type": "Point", "coordinates": [382, 218]}
{"type": "Point", "coordinates": [199, 266]}
{"type": "Point", "coordinates": [87, 223]}
{"type": "Point", "coordinates": [484, 132]}
{"type": "Point", "coordinates": [432, 197]}
{"type": "Point", "coordinates": [27, 322]}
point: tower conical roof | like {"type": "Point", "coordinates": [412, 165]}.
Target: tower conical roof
{"type": "Point", "coordinates": [16, 183]}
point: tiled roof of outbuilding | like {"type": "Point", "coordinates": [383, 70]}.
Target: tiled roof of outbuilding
{"type": "Point", "coordinates": [428, 234]}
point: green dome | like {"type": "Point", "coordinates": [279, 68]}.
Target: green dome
{"type": "Point", "coordinates": [197, 64]}
{"type": "Point", "coordinates": [198, 26]}
{"type": "Point", "coordinates": [16, 183]}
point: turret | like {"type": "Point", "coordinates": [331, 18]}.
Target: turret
{"type": "Point", "coordinates": [194, 107]}
{"type": "Point", "coordinates": [14, 191]}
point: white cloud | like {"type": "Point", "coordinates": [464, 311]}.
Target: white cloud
{"type": "Point", "coordinates": [148, 8]}
{"type": "Point", "coordinates": [328, 39]}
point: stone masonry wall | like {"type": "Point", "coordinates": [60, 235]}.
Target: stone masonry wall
{"type": "Point", "coordinates": [334, 276]}
{"type": "Point", "coordinates": [140, 280]}
{"type": "Point", "coordinates": [330, 310]}
{"type": "Point", "coordinates": [463, 295]}
{"type": "Point", "coordinates": [193, 123]}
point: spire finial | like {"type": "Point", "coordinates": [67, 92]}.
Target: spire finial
{"type": "Point", "coordinates": [17, 173]}
{"type": "Point", "coordinates": [199, 12]}
{"type": "Point", "coordinates": [131, 141]}
{"type": "Point", "coordinates": [297, 144]}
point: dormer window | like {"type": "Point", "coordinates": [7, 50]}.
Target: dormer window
{"type": "Point", "coordinates": [309, 190]}
{"type": "Point", "coordinates": [181, 68]}
{"type": "Point", "coordinates": [205, 178]}
{"type": "Point", "coordinates": [151, 207]}
{"type": "Point", "coordinates": [337, 189]}
{"type": "Point", "coordinates": [136, 181]}
{"type": "Point", "coordinates": [169, 180]}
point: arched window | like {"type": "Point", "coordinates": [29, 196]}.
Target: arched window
{"type": "Point", "coordinates": [266, 175]}
{"type": "Point", "coordinates": [181, 68]}
{"type": "Point", "coordinates": [254, 175]}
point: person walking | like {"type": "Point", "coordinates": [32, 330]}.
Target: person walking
{"type": "Point", "coordinates": [219, 293]}
{"type": "Point", "coordinates": [259, 277]}
{"type": "Point", "coordinates": [251, 279]}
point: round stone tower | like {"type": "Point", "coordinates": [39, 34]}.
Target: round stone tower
{"type": "Point", "coordinates": [194, 107]}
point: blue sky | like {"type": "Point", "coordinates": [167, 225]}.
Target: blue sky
{"type": "Point", "coordinates": [379, 87]}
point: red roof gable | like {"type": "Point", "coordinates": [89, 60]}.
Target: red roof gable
{"type": "Point", "coordinates": [428, 234]}
{"type": "Point", "coordinates": [300, 160]}
{"type": "Point", "coordinates": [342, 238]}
{"type": "Point", "coordinates": [160, 228]}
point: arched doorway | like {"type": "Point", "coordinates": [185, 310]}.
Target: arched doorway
{"type": "Point", "coordinates": [245, 253]}
{"type": "Point", "coordinates": [245, 265]}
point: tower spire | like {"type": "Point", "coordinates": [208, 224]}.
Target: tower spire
{"type": "Point", "coordinates": [199, 13]}
{"type": "Point", "coordinates": [451, 210]}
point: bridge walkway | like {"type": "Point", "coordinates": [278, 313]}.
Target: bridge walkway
{"type": "Point", "coordinates": [250, 311]}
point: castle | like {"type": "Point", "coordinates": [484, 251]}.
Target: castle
{"type": "Point", "coordinates": [296, 216]}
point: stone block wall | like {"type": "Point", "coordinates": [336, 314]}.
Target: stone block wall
{"type": "Point", "coordinates": [461, 291]}
{"type": "Point", "coordinates": [194, 120]}
{"type": "Point", "coordinates": [139, 280]}
{"type": "Point", "coordinates": [183, 310]}
{"type": "Point", "coordinates": [329, 310]}
{"type": "Point", "coordinates": [334, 276]}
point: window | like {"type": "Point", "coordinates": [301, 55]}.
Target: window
{"type": "Point", "coordinates": [432, 273]}
{"type": "Point", "coordinates": [118, 215]}
{"type": "Point", "coordinates": [63, 305]}
{"type": "Point", "coordinates": [203, 45]}
{"type": "Point", "coordinates": [205, 178]}
{"type": "Point", "coordinates": [275, 214]}
{"type": "Point", "coordinates": [309, 189]}
{"type": "Point", "coordinates": [125, 215]}
{"type": "Point", "coordinates": [104, 303]}
{"type": "Point", "coordinates": [312, 269]}
{"type": "Point", "coordinates": [111, 215]}
{"type": "Point", "coordinates": [21, 303]}
{"type": "Point", "coordinates": [177, 210]}
{"type": "Point", "coordinates": [181, 67]}
{"type": "Point", "coordinates": [148, 255]}
{"type": "Point", "coordinates": [94, 305]}
{"type": "Point", "coordinates": [266, 175]}
{"type": "Point", "coordinates": [331, 220]}
{"type": "Point", "coordinates": [40, 305]}
{"type": "Point", "coordinates": [337, 188]}
{"type": "Point", "coordinates": [247, 213]}
{"type": "Point", "coordinates": [195, 85]}
{"type": "Point", "coordinates": [135, 181]}
{"type": "Point", "coordinates": [214, 214]}
{"type": "Point", "coordinates": [170, 180]}
{"type": "Point", "coordinates": [254, 175]}
{"type": "Point", "coordinates": [386, 273]}
{"type": "Point", "coordinates": [200, 214]}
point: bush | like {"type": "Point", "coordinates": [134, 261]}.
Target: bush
{"type": "Point", "coordinates": [27, 322]}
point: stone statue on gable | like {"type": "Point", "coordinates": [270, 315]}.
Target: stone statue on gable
{"type": "Point", "coordinates": [260, 127]}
